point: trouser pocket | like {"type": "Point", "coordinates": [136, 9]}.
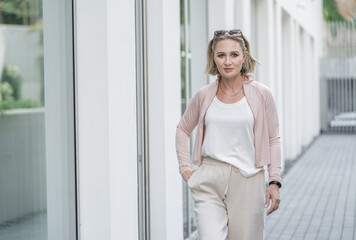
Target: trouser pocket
{"type": "Point", "coordinates": [191, 179]}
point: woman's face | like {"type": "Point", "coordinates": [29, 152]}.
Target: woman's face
{"type": "Point", "coordinates": [228, 57]}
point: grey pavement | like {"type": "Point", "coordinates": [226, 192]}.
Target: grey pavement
{"type": "Point", "coordinates": [318, 196]}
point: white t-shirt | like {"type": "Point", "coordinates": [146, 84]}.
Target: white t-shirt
{"type": "Point", "coordinates": [229, 135]}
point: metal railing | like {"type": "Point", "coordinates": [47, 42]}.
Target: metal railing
{"type": "Point", "coordinates": [338, 77]}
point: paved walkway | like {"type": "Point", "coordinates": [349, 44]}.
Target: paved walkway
{"type": "Point", "coordinates": [318, 197]}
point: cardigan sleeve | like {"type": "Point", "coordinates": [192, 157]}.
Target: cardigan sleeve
{"type": "Point", "coordinates": [274, 168]}
{"type": "Point", "coordinates": [186, 125]}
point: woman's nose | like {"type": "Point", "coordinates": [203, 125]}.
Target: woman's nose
{"type": "Point", "coordinates": [227, 61]}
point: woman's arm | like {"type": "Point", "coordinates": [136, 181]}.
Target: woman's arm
{"type": "Point", "coordinates": [274, 167]}
{"type": "Point", "coordinates": [187, 123]}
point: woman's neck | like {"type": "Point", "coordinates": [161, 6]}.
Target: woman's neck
{"type": "Point", "coordinates": [232, 84]}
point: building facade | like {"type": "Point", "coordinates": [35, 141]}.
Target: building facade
{"type": "Point", "coordinates": [95, 158]}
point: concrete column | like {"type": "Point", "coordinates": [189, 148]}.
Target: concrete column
{"type": "Point", "coordinates": [263, 40]}
{"type": "Point", "coordinates": [316, 43]}
{"type": "Point", "coordinates": [93, 137]}
{"type": "Point", "coordinates": [302, 90]}
{"type": "Point", "coordinates": [278, 67]}
{"type": "Point", "coordinates": [106, 118]}
{"type": "Point", "coordinates": [221, 15]}
{"type": "Point", "coordinates": [243, 16]}
{"type": "Point", "coordinates": [297, 89]}
{"type": "Point", "coordinates": [287, 83]}
{"type": "Point", "coordinates": [271, 51]}
{"type": "Point", "coordinates": [122, 130]}
{"type": "Point", "coordinates": [164, 104]}
{"type": "Point", "coordinates": [309, 86]}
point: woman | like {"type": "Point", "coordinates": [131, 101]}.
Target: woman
{"type": "Point", "coordinates": [237, 135]}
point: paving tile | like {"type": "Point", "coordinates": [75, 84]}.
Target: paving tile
{"type": "Point", "coordinates": [318, 198]}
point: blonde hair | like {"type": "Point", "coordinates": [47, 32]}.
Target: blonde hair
{"type": "Point", "coordinates": [247, 67]}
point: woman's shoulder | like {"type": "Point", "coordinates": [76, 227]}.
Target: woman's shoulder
{"type": "Point", "coordinates": [262, 88]}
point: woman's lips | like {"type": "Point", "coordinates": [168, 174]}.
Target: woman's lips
{"type": "Point", "coordinates": [228, 69]}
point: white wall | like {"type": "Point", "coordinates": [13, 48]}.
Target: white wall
{"type": "Point", "coordinates": [106, 90]}
{"type": "Point", "coordinates": [307, 13]}
{"type": "Point", "coordinates": [221, 15]}
{"type": "Point", "coordinates": [287, 84]}
{"type": "Point", "coordinates": [285, 37]}
{"type": "Point", "coordinates": [278, 71]}
{"type": "Point", "coordinates": [198, 43]}
{"type": "Point", "coordinates": [299, 106]}
{"type": "Point", "coordinates": [243, 16]}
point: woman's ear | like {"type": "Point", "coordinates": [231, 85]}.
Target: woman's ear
{"type": "Point", "coordinates": [245, 55]}
{"type": "Point", "coordinates": [212, 56]}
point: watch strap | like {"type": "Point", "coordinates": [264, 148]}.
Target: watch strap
{"type": "Point", "coordinates": [276, 182]}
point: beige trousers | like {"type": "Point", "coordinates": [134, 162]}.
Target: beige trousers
{"type": "Point", "coordinates": [227, 205]}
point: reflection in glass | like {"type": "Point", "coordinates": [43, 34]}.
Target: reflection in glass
{"type": "Point", "coordinates": [193, 60]}
{"type": "Point", "coordinates": [24, 151]}
{"type": "Point", "coordinates": [22, 147]}
{"type": "Point", "coordinates": [21, 54]}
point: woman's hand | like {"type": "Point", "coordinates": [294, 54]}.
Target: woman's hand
{"type": "Point", "coordinates": [272, 194]}
{"type": "Point", "coordinates": [186, 175]}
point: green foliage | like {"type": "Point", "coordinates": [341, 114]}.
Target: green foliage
{"type": "Point", "coordinates": [330, 11]}
{"type": "Point", "coordinates": [12, 75]}
{"type": "Point", "coordinates": [24, 12]}
{"type": "Point", "coordinates": [5, 92]}
{"type": "Point", "coordinates": [4, 105]}
{"type": "Point", "coordinates": [10, 86]}
{"type": "Point", "coordinates": [22, 103]}
{"type": "Point", "coordinates": [26, 103]}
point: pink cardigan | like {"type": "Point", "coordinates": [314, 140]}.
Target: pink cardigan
{"type": "Point", "coordinates": [266, 128]}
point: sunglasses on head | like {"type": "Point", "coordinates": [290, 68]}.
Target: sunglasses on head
{"type": "Point", "coordinates": [230, 32]}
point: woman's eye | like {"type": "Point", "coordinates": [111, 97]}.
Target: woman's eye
{"type": "Point", "coordinates": [234, 55]}
{"type": "Point", "coordinates": [220, 55]}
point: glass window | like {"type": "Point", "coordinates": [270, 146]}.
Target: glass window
{"type": "Point", "coordinates": [194, 41]}
{"type": "Point", "coordinates": [37, 157]}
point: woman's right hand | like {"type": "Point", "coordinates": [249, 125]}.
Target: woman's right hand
{"type": "Point", "coordinates": [187, 174]}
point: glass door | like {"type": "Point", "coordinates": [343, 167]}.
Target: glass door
{"type": "Point", "coordinates": [194, 41]}
{"type": "Point", "coordinates": [37, 127]}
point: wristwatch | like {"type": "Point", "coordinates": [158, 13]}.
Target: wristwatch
{"type": "Point", "coordinates": [275, 182]}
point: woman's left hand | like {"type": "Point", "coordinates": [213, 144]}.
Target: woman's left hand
{"type": "Point", "coordinates": [272, 194]}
